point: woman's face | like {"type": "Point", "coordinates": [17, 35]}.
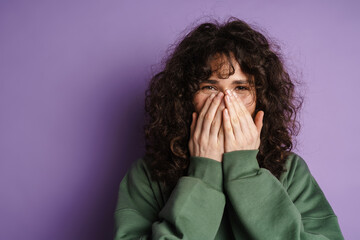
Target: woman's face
{"type": "Point", "coordinates": [236, 82]}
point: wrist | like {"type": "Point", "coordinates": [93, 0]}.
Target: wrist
{"type": "Point", "coordinates": [208, 170]}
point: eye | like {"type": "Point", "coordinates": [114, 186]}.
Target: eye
{"type": "Point", "coordinates": [242, 88]}
{"type": "Point", "coordinates": [207, 87]}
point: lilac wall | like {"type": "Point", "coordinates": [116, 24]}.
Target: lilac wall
{"type": "Point", "coordinates": [72, 80]}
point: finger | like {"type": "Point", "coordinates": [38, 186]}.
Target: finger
{"type": "Point", "coordinates": [221, 130]}
{"type": "Point", "coordinates": [228, 128]}
{"type": "Point", "coordinates": [209, 116]}
{"type": "Point", "coordinates": [259, 118]}
{"type": "Point", "coordinates": [221, 133]}
{"type": "Point", "coordinates": [192, 127]}
{"type": "Point", "coordinates": [200, 117]}
{"type": "Point", "coordinates": [241, 106]}
{"type": "Point", "coordinates": [234, 118]}
{"type": "Point", "coordinates": [247, 128]}
{"type": "Point", "coordinates": [216, 123]}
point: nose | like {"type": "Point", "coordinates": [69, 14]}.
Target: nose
{"type": "Point", "coordinates": [224, 91]}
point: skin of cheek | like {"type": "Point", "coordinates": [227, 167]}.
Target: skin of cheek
{"type": "Point", "coordinates": [250, 105]}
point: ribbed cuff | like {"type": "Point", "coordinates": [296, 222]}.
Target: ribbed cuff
{"type": "Point", "coordinates": [240, 164]}
{"type": "Point", "coordinates": [208, 170]}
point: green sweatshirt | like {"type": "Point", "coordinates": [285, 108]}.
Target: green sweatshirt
{"type": "Point", "coordinates": [235, 199]}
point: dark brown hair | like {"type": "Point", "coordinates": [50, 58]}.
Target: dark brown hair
{"type": "Point", "coordinates": [169, 97]}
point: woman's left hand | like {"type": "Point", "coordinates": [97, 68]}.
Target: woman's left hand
{"type": "Point", "coordinates": [241, 132]}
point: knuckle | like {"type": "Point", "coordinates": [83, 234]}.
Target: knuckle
{"type": "Point", "coordinates": [214, 123]}
{"type": "Point", "coordinates": [207, 116]}
{"type": "Point", "coordinates": [202, 149]}
{"type": "Point", "coordinates": [201, 141]}
{"type": "Point", "coordinates": [234, 120]}
{"type": "Point", "coordinates": [227, 128]}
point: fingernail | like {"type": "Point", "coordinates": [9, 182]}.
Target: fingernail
{"type": "Point", "coordinates": [228, 92]}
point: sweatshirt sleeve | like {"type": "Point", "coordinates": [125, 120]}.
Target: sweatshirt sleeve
{"type": "Point", "coordinates": [193, 211]}
{"type": "Point", "coordinates": [262, 208]}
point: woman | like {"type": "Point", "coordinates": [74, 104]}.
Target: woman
{"type": "Point", "coordinates": [218, 162]}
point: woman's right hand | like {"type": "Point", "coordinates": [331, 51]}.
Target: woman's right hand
{"type": "Point", "coordinates": [206, 131]}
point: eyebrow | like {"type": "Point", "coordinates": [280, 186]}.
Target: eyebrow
{"type": "Point", "coordinates": [216, 81]}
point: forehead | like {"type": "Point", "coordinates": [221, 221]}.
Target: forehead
{"type": "Point", "coordinates": [222, 81]}
{"type": "Point", "coordinates": [220, 61]}
{"type": "Point", "coordinates": [224, 67]}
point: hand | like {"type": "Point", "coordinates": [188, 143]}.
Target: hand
{"type": "Point", "coordinates": [241, 132]}
{"type": "Point", "coordinates": [206, 133]}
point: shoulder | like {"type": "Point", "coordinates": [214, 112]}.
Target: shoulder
{"type": "Point", "coordinates": [139, 171]}
{"type": "Point", "coordinates": [136, 181]}
{"type": "Point", "coordinates": [137, 192]}
{"type": "Point", "coordinates": [139, 175]}
{"type": "Point", "coordinates": [296, 169]}
{"type": "Point", "coordinates": [303, 189]}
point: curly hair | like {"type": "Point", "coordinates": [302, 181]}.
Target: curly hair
{"type": "Point", "coordinates": [169, 96]}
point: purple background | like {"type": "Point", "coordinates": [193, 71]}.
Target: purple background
{"type": "Point", "coordinates": [72, 81]}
